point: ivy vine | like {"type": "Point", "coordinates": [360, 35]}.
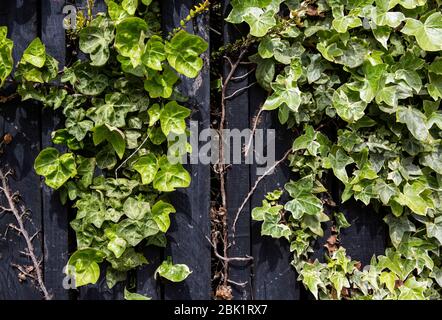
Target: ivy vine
{"type": "Point", "coordinates": [363, 79]}
{"type": "Point", "coordinates": [120, 103]}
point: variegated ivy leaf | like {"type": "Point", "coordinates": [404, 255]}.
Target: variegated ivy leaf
{"type": "Point", "coordinates": [172, 118]}
{"type": "Point", "coordinates": [6, 61]}
{"type": "Point", "coordinates": [136, 209]}
{"type": "Point", "coordinates": [130, 6]}
{"type": "Point", "coordinates": [129, 39]}
{"type": "Point", "coordinates": [96, 38]}
{"type": "Point", "coordinates": [160, 84]}
{"type": "Point", "coordinates": [56, 168]}
{"type": "Point", "coordinates": [133, 295]}
{"type": "Point", "coordinates": [85, 78]}
{"type": "Point", "coordinates": [428, 33]}
{"type": "Point", "coordinates": [337, 160]}
{"type": "Point", "coordinates": [408, 4]}
{"type": "Point", "coordinates": [116, 11]}
{"type": "Point", "coordinates": [285, 90]}
{"type": "Point", "coordinates": [348, 104]}
{"type": "Point", "coordinates": [415, 196]}
{"type": "Point", "coordinates": [415, 120]}
{"type": "Point", "coordinates": [398, 226]}
{"type": "Point", "coordinates": [258, 213]}
{"type": "Point", "coordinates": [434, 229]}
{"type": "Point", "coordinates": [260, 21]}
{"type": "Point", "coordinates": [307, 141]}
{"type": "Point", "coordinates": [147, 167]}
{"type": "Point", "coordinates": [173, 272]}
{"type": "Point", "coordinates": [170, 176]}
{"type": "Point", "coordinates": [183, 53]}
{"type": "Point", "coordinates": [83, 266]}
{"type": "Point", "coordinates": [311, 276]}
{"type": "Point", "coordinates": [160, 213]}
{"type": "Point", "coordinates": [273, 227]}
{"type": "Point", "coordinates": [240, 8]}
{"type": "Point", "coordinates": [154, 53]}
{"type": "Point", "coordinates": [35, 53]}
{"type": "Point", "coordinates": [111, 134]}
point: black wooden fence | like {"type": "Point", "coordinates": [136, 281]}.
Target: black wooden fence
{"type": "Point", "coordinates": [269, 276]}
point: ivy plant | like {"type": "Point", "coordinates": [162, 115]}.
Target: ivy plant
{"type": "Point", "coordinates": [119, 106]}
{"type": "Point", "coordinates": [362, 82]}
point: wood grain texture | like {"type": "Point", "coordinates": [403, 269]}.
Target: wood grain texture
{"type": "Point", "coordinates": [190, 225]}
{"type": "Point", "coordinates": [238, 175]}
{"type": "Point", "coordinates": [22, 121]}
{"type": "Point", "coordinates": [55, 215]}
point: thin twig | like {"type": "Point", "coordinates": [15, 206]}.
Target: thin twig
{"type": "Point", "coordinates": [255, 124]}
{"type": "Point", "coordinates": [239, 284]}
{"type": "Point", "coordinates": [228, 259]}
{"type": "Point", "coordinates": [239, 91]}
{"type": "Point", "coordinates": [131, 155]}
{"type": "Point", "coordinates": [266, 173]}
{"type": "Point", "coordinates": [29, 246]}
{"type": "Point", "coordinates": [224, 85]}
{"type": "Point", "coordinates": [241, 77]}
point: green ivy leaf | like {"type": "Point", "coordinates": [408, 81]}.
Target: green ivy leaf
{"type": "Point", "coordinates": [129, 39]}
{"type": "Point", "coordinates": [130, 6]}
{"type": "Point", "coordinates": [173, 117]}
{"type": "Point", "coordinates": [434, 229]}
{"type": "Point", "coordinates": [173, 272]}
{"type": "Point", "coordinates": [398, 226]}
{"type": "Point", "coordinates": [147, 167]}
{"type": "Point", "coordinates": [113, 135]}
{"type": "Point", "coordinates": [96, 38]}
{"type": "Point", "coordinates": [35, 54]}
{"type": "Point", "coordinates": [171, 176]}
{"type": "Point", "coordinates": [55, 168]}
{"type": "Point", "coordinates": [83, 266]}
{"type": "Point", "coordinates": [413, 199]}
{"type": "Point", "coordinates": [160, 85]}
{"type": "Point", "coordinates": [183, 53]}
{"type": "Point", "coordinates": [160, 214]}
{"type": "Point", "coordinates": [136, 209]}
{"type": "Point", "coordinates": [154, 53]}
{"type": "Point", "coordinates": [134, 296]}
{"type": "Point", "coordinates": [415, 121]}
{"type": "Point", "coordinates": [6, 61]}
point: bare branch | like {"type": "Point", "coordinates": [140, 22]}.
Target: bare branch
{"type": "Point", "coordinates": [12, 202]}
{"type": "Point", "coordinates": [241, 77]}
{"type": "Point", "coordinates": [247, 198]}
{"type": "Point", "coordinates": [239, 91]}
{"type": "Point", "coordinates": [255, 124]}
{"type": "Point", "coordinates": [131, 155]}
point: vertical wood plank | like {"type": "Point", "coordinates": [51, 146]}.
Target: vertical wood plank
{"type": "Point", "coordinates": [367, 235]}
{"type": "Point", "coordinates": [22, 120]}
{"type": "Point", "coordinates": [273, 275]}
{"type": "Point", "coordinates": [190, 225]}
{"type": "Point", "coordinates": [237, 176]}
{"type": "Point", "coordinates": [55, 215]}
